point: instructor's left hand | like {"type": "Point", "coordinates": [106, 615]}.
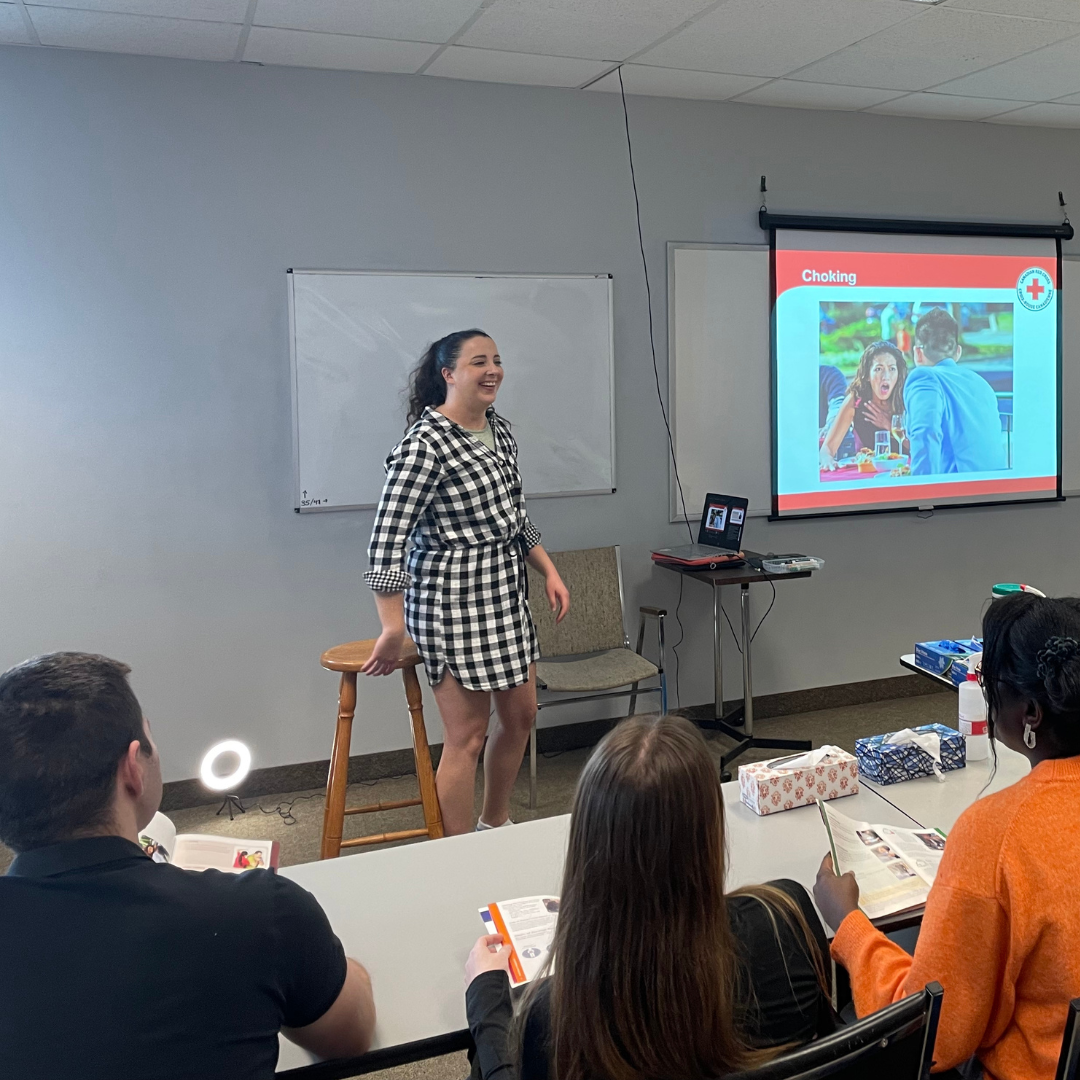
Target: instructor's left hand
{"type": "Point", "coordinates": [558, 596]}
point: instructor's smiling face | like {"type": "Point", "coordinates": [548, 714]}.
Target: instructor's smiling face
{"type": "Point", "coordinates": [478, 372]}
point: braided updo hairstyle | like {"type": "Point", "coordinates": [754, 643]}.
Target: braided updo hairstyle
{"type": "Point", "coordinates": [1032, 647]}
{"type": "Point", "coordinates": [427, 387]}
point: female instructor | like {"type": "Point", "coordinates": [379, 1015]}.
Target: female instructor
{"type": "Point", "coordinates": [453, 489]}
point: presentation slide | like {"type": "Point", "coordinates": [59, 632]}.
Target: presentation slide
{"type": "Point", "coordinates": [935, 365]}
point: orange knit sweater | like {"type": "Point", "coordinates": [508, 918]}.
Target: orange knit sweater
{"type": "Point", "coordinates": [1001, 931]}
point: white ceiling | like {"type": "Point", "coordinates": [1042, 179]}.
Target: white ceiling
{"type": "Point", "coordinates": [996, 61]}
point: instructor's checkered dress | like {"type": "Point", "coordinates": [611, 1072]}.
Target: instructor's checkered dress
{"type": "Point", "coordinates": [464, 579]}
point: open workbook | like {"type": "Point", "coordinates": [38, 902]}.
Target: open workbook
{"type": "Point", "coordinates": [527, 926]}
{"type": "Point", "coordinates": [201, 851]}
{"type": "Point", "coordinates": [894, 867]}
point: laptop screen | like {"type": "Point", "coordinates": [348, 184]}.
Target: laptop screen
{"type": "Point", "coordinates": [722, 521]}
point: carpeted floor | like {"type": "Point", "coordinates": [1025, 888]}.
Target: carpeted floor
{"type": "Point", "coordinates": [295, 818]}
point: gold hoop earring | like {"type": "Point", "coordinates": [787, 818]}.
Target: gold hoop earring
{"type": "Point", "coordinates": [1029, 737]}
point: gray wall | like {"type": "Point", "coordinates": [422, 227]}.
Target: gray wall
{"type": "Point", "coordinates": [148, 211]}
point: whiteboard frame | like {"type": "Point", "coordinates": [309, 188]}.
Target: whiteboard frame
{"type": "Point", "coordinates": [294, 377]}
{"type": "Point", "coordinates": [674, 513]}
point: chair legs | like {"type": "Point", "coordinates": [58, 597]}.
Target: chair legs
{"type": "Point", "coordinates": [425, 775]}
{"type": "Point", "coordinates": [338, 779]}
{"type": "Point", "coordinates": [337, 782]}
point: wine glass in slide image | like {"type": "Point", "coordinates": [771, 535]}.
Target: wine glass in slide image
{"type": "Point", "coordinates": [899, 431]}
{"type": "Point", "coordinates": [881, 444]}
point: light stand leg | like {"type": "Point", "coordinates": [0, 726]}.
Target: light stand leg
{"type": "Point", "coordinates": [233, 803]}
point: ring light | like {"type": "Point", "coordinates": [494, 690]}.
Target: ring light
{"type": "Point", "coordinates": [223, 783]}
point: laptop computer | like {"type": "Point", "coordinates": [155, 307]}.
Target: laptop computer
{"type": "Point", "coordinates": [719, 535]}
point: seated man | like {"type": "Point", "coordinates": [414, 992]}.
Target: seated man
{"type": "Point", "coordinates": [953, 423]}
{"type": "Point", "coordinates": [115, 966]}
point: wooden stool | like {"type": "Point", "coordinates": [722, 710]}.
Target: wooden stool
{"type": "Point", "coordinates": [349, 659]}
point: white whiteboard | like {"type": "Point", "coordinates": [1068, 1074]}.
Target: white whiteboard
{"type": "Point", "coordinates": [356, 335]}
{"type": "Point", "coordinates": [719, 372]}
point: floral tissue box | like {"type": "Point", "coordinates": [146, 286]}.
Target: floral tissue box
{"type": "Point", "coordinates": [889, 763]}
{"type": "Point", "coordinates": [768, 787]}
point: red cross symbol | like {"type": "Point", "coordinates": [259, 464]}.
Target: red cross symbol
{"type": "Point", "coordinates": [1036, 288]}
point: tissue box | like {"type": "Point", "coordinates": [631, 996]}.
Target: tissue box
{"type": "Point", "coordinates": [940, 656]}
{"type": "Point", "coordinates": [768, 787]}
{"type": "Point", "coordinates": [886, 763]}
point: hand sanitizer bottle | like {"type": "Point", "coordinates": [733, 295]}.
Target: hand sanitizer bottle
{"type": "Point", "coordinates": [973, 713]}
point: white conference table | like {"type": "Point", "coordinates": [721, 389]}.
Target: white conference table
{"type": "Point", "coordinates": [937, 804]}
{"type": "Point", "coordinates": [411, 914]}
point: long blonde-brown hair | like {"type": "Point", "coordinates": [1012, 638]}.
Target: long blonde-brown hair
{"type": "Point", "coordinates": [646, 974]}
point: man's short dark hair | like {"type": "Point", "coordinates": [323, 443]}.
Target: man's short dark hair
{"type": "Point", "coordinates": [937, 334]}
{"type": "Point", "coordinates": [66, 720]}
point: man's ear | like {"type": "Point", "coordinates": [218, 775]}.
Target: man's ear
{"type": "Point", "coordinates": [130, 770]}
{"type": "Point", "coordinates": [959, 352]}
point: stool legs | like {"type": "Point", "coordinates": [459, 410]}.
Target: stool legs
{"type": "Point", "coordinates": [425, 775]}
{"type": "Point", "coordinates": [337, 782]}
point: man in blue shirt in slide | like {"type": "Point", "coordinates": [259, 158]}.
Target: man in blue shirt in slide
{"type": "Point", "coordinates": [953, 422]}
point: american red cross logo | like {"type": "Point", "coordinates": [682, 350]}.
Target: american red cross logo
{"type": "Point", "coordinates": [1036, 289]}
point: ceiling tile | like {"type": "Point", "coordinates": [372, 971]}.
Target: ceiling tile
{"type": "Point", "coordinates": [940, 44]}
{"type": "Point", "coordinates": [1068, 10]}
{"type": "Point", "coordinates": [12, 26]}
{"type": "Point", "coordinates": [102, 32]}
{"type": "Point", "coordinates": [945, 107]}
{"type": "Point", "coordinates": [1049, 73]}
{"type": "Point", "coordinates": [1045, 115]}
{"type": "Point", "coordinates": [774, 37]}
{"type": "Point", "coordinates": [206, 10]}
{"type": "Point", "coordinates": [408, 20]}
{"type": "Point", "coordinates": [298, 48]}
{"type": "Point", "coordinates": [670, 82]}
{"type": "Point", "coordinates": [800, 95]}
{"type": "Point", "coordinates": [597, 29]}
{"type": "Point", "coordinates": [490, 65]}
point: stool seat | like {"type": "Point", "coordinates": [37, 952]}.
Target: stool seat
{"type": "Point", "coordinates": [349, 659]}
{"type": "Point", "coordinates": [355, 654]}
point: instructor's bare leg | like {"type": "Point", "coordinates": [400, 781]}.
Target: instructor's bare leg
{"type": "Point", "coordinates": [516, 712]}
{"type": "Point", "coordinates": [465, 715]}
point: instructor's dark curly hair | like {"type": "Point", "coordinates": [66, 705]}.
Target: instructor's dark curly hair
{"type": "Point", "coordinates": [1032, 650]}
{"type": "Point", "coordinates": [427, 387]}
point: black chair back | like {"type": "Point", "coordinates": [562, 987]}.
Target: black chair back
{"type": "Point", "coordinates": [895, 1043]}
{"type": "Point", "coordinates": [1069, 1062]}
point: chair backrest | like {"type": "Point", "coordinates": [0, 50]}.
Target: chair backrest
{"type": "Point", "coordinates": [895, 1043]}
{"type": "Point", "coordinates": [1069, 1062]}
{"type": "Point", "coordinates": [595, 620]}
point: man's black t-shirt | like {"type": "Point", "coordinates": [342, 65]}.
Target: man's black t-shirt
{"type": "Point", "coordinates": [114, 966]}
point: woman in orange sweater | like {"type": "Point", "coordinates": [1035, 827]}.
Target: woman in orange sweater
{"type": "Point", "coordinates": [1001, 931]}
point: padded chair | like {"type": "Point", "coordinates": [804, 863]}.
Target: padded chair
{"type": "Point", "coordinates": [895, 1043]}
{"type": "Point", "coordinates": [588, 654]}
{"type": "Point", "coordinates": [1069, 1062]}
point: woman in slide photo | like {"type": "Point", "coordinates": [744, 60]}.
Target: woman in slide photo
{"type": "Point", "coordinates": [655, 972]}
{"type": "Point", "coordinates": [875, 396]}
{"type": "Point", "coordinates": [1001, 931]}
{"type": "Point", "coordinates": [453, 491]}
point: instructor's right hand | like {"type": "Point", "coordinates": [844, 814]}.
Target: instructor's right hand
{"type": "Point", "coordinates": [385, 655]}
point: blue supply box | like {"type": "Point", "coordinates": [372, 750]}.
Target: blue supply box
{"type": "Point", "coordinates": [886, 763]}
{"type": "Point", "coordinates": [948, 657]}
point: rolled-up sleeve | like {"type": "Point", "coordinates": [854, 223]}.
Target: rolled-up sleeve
{"type": "Point", "coordinates": [530, 535]}
{"type": "Point", "coordinates": [413, 472]}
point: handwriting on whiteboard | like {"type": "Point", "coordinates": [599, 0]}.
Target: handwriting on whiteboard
{"type": "Point", "coordinates": [306, 502]}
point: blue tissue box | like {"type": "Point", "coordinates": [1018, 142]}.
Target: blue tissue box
{"type": "Point", "coordinates": [886, 763]}
{"type": "Point", "coordinates": [939, 656]}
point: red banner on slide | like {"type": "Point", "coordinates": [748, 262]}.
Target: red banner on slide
{"type": "Point", "coordinates": [839, 270]}
{"type": "Point", "coordinates": [914, 493]}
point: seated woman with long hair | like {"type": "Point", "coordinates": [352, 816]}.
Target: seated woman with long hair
{"type": "Point", "coordinates": [656, 973]}
{"type": "Point", "coordinates": [1001, 931]}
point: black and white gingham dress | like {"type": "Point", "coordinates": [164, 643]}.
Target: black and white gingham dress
{"type": "Point", "coordinates": [464, 580]}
